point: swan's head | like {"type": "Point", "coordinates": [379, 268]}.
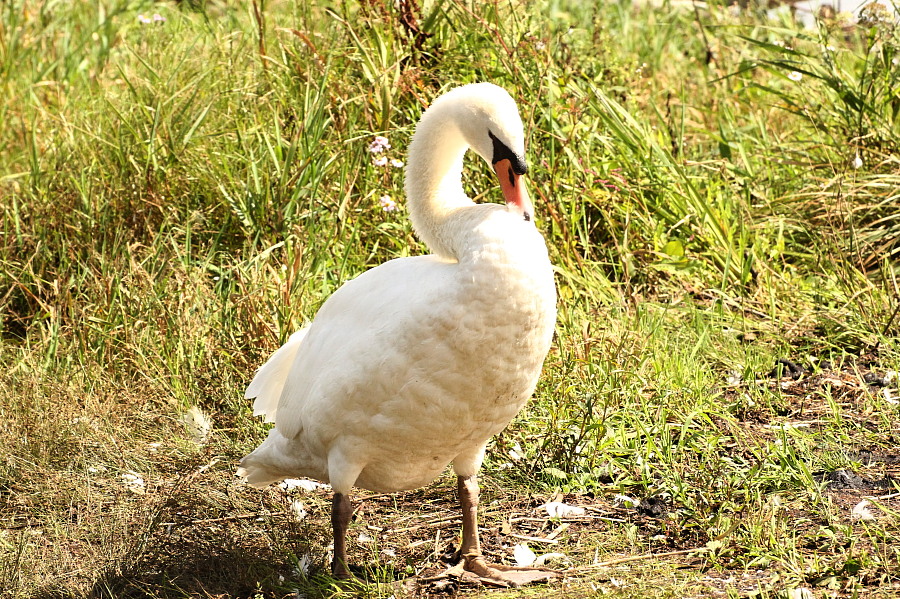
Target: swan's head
{"type": "Point", "coordinates": [489, 121]}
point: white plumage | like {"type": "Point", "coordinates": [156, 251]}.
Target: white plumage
{"type": "Point", "coordinates": [415, 364]}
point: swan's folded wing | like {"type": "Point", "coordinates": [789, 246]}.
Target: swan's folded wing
{"type": "Point", "coordinates": [268, 383]}
{"type": "Point", "coordinates": [356, 329]}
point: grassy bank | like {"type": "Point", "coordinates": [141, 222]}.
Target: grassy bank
{"type": "Point", "coordinates": [182, 185]}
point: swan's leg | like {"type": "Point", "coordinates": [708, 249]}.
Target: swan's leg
{"type": "Point", "coordinates": [467, 488]}
{"type": "Point", "coordinates": [342, 473]}
{"type": "Point", "coordinates": [470, 550]}
{"type": "Point", "coordinates": [340, 520]}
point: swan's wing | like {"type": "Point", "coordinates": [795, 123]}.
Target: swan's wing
{"type": "Point", "coordinates": [268, 383]}
{"type": "Point", "coordinates": [359, 327]}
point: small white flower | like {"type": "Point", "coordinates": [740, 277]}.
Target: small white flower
{"type": "Point", "coordinates": [379, 144]}
{"type": "Point", "coordinates": [857, 161]}
{"type": "Point", "coordinates": [144, 20]}
{"type": "Point", "coordinates": [539, 46]}
{"type": "Point", "coordinates": [380, 161]}
{"type": "Point", "coordinates": [387, 203]}
{"type": "Point", "coordinates": [396, 163]}
{"type": "Point", "coordinates": [158, 18]}
{"type": "Point", "coordinates": [830, 48]}
{"type": "Point", "coordinates": [795, 76]}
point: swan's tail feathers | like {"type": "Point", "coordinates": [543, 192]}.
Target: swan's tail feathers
{"type": "Point", "coordinates": [276, 459]}
{"type": "Point", "coordinates": [261, 466]}
{"type": "Point", "coordinates": [256, 474]}
{"type": "Point", "coordinates": [268, 383]}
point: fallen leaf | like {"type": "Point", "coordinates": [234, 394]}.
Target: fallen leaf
{"type": "Point", "coordinates": [523, 555]}
{"type": "Point", "coordinates": [557, 509]}
{"type": "Point", "coordinates": [861, 511]}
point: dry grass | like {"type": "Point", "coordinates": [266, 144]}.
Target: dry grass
{"type": "Point", "coordinates": [73, 525]}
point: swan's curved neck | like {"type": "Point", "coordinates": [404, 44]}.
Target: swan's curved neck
{"type": "Point", "coordinates": [434, 176]}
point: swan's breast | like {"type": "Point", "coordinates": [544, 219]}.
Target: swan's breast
{"type": "Point", "coordinates": [467, 372]}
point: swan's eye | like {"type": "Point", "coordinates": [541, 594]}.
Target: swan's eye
{"type": "Point", "coordinates": [527, 217]}
{"type": "Point", "coordinates": [502, 152]}
{"type": "Point", "coordinates": [512, 177]}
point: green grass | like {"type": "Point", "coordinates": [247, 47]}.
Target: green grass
{"type": "Point", "coordinates": [177, 197]}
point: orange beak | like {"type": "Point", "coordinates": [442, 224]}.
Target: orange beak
{"type": "Point", "coordinates": [513, 189]}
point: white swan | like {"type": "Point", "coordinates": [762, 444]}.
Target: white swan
{"type": "Point", "coordinates": [417, 363]}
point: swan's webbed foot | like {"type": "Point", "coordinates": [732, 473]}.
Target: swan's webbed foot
{"type": "Point", "coordinates": [474, 568]}
{"type": "Point", "coordinates": [505, 576]}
